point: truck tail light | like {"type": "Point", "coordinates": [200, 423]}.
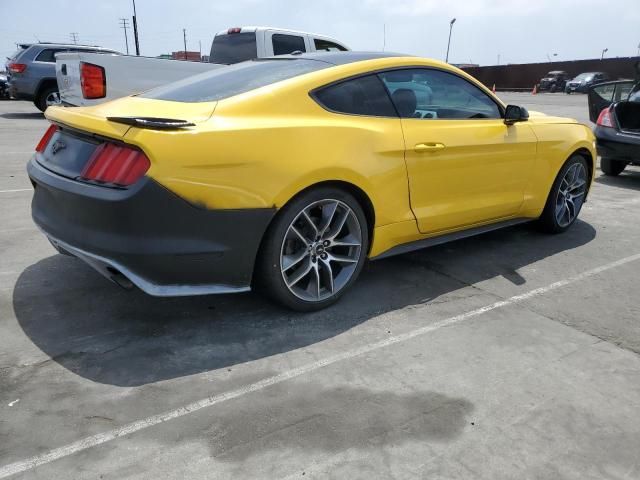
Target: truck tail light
{"type": "Point", "coordinates": [92, 81]}
{"type": "Point", "coordinates": [234, 30]}
{"type": "Point", "coordinates": [605, 119]}
{"type": "Point", "coordinates": [116, 165]}
{"type": "Point", "coordinates": [17, 67]}
{"type": "Point", "coordinates": [44, 141]}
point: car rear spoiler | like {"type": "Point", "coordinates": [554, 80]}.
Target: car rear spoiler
{"type": "Point", "coordinates": [153, 122]}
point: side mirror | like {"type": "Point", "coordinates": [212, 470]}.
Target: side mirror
{"type": "Point", "coordinates": [514, 114]}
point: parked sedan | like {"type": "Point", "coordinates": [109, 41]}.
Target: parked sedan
{"type": "Point", "coordinates": [583, 82]}
{"type": "Point", "coordinates": [287, 173]}
{"type": "Point", "coordinates": [615, 109]}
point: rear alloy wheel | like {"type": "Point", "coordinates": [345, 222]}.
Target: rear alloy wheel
{"type": "Point", "coordinates": [50, 96]}
{"type": "Point", "coordinates": [567, 196]}
{"type": "Point", "coordinates": [611, 167]}
{"type": "Point", "coordinates": [315, 250]}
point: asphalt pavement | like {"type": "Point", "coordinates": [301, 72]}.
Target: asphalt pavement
{"type": "Point", "coordinates": [512, 355]}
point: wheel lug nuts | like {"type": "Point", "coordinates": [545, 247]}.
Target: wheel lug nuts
{"type": "Point", "coordinates": [326, 243]}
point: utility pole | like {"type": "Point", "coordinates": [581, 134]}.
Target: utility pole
{"type": "Point", "coordinates": [74, 37]}
{"type": "Point", "coordinates": [135, 28]}
{"type": "Point", "coordinates": [125, 26]}
{"type": "Point", "coordinates": [200, 48]}
{"type": "Point", "coordinates": [498, 59]}
{"type": "Point", "coordinates": [384, 36]}
{"type": "Point", "coordinates": [449, 44]}
{"type": "Point", "coordinates": [184, 35]}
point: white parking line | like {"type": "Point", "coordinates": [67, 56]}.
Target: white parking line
{"type": "Point", "coordinates": [17, 190]}
{"type": "Point", "coordinates": [100, 438]}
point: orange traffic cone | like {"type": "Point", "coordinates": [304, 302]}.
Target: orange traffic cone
{"type": "Point", "coordinates": [535, 90]}
{"type": "Point", "coordinates": [494, 88]}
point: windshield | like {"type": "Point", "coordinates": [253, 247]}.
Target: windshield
{"type": "Point", "coordinates": [233, 48]}
{"type": "Point", "coordinates": [584, 76]}
{"type": "Point", "coordinates": [233, 80]}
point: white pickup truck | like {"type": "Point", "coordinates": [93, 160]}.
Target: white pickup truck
{"type": "Point", "coordinates": [90, 78]}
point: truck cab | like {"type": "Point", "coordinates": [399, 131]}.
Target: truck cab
{"type": "Point", "coordinates": [245, 43]}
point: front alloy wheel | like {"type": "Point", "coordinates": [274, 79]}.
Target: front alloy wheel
{"type": "Point", "coordinates": [571, 194]}
{"type": "Point", "coordinates": [314, 250]}
{"type": "Point", "coordinates": [566, 196]}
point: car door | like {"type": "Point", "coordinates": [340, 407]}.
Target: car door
{"type": "Point", "coordinates": [604, 94]}
{"type": "Point", "coordinates": [465, 166]}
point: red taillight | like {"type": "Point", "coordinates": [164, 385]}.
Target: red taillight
{"type": "Point", "coordinates": [234, 30]}
{"type": "Point", "coordinates": [17, 67]}
{"type": "Point", "coordinates": [606, 118]}
{"type": "Point", "coordinates": [92, 81]}
{"type": "Point", "coordinates": [116, 164]}
{"type": "Point", "coordinates": [44, 141]}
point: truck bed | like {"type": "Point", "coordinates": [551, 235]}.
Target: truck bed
{"type": "Point", "coordinates": [125, 74]}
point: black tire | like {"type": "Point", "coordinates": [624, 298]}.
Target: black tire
{"type": "Point", "coordinates": [548, 221]}
{"type": "Point", "coordinates": [41, 100]}
{"type": "Point", "coordinates": [612, 167]}
{"type": "Point", "coordinates": [269, 279]}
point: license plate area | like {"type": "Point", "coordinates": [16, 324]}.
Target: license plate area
{"type": "Point", "coordinates": [67, 153]}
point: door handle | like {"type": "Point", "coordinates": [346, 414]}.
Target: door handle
{"type": "Point", "coordinates": [428, 147]}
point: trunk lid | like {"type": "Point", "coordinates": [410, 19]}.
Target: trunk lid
{"type": "Point", "coordinates": [95, 119]}
{"type": "Point", "coordinates": [82, 129]}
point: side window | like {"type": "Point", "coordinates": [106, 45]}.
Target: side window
{"type": "Point", "coordinates": [432, 94]}
{"type": "Point", "coordinates": [360, 96]}
{"type": "Point", "coordinates": [285, 44]}
{"type": "Point", "coordinates": [328, 46]}
{"type": "Point", "coordinates": [48, 55]}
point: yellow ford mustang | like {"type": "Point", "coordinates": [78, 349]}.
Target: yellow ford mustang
{"type": "Point", "coordinates": [287, 173]}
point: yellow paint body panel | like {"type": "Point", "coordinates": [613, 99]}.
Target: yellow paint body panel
{"type": "Point", "coordinates": [261, 148]}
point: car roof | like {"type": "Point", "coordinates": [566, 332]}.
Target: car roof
{"type": "Point", "coordinates": [338, 58]}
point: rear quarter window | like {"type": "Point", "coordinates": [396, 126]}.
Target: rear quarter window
{"type": "Point", "coordinates": [359, 96]}
{"type": "Point", "coordinates": [233, 80]}
{"type": "Point", "coordinates": [47, 55]}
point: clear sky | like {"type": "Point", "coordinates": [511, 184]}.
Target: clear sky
{"type": "Point", "coordinates": [519, 31]}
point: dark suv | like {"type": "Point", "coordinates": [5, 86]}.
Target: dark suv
{"type": "Point", "coordinates": [554, 81]}
{"type": "Point", "coordinates": [32, 71]}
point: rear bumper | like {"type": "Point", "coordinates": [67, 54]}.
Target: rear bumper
{"type": "Point", "coordinates": [21, 89]}
{"type": "Point", "coordinates": [617, 145]}
{"type": "Point", "coordinates": [148, 235]}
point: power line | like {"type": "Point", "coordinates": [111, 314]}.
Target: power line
{"type": "Point", "coordinates": [74, 37]}
{"type": "Point", "coordinates": [125, 25]}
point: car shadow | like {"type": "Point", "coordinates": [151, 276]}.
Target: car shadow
{"type": "Point", "coordinates": [23, 116]}
{"type": "Point", "coordinates": [98, 331]}
{"type": "Point", "coordinates": [630, 179]}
